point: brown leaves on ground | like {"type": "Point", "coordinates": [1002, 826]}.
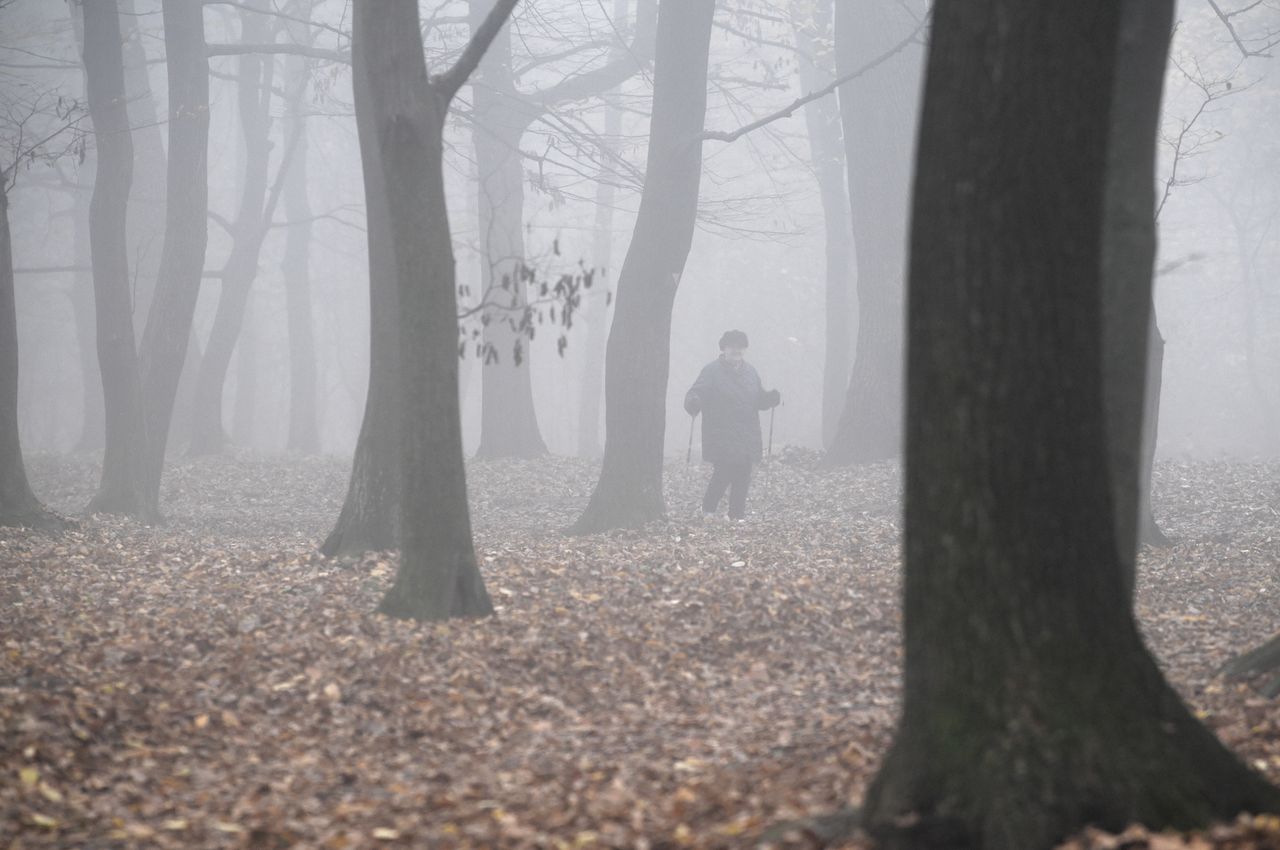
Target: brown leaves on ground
{"type": "Point", "coordinates": [216, 683]}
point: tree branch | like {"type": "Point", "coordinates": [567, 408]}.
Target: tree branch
{"type": "Point", "coordinates": [450, 81]}
{"type": "Point", "coordinates": [639, 54]}
{"type": "Point", "coordinates": [1225, 17]}
{"type": "Point", "coordinates": [341, 56]}
{"type": "Point", "coordinates": [789, 110]}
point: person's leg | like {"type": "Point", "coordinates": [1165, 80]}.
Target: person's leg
{"type": "Point", "coordinates": [740, 480]}
{"type": "Point", "coordinates": [715, 488]}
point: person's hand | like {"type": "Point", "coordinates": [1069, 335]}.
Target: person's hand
{"type": "Point", "coordinates": [773, 398]}
{"type": "Point", "coordinates": [692, 405]}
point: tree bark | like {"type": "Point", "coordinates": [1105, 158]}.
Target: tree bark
{"type": "Point", "coordinates": [168, 330]}
{"type": "Point", "coordinates": [813, 32]}
{"type": "Point", "coordinates": [1031, 706]}
{"type": "Point", "coordinates": [121, 488]}
{"type": "Point", "coordinates": [638, 357]}
{"type": "Point", "coordinates": [253, 94]}
{"type": "Point", "coordinates": [438, 576]}
{"type": "Point", "coordinates": [878, 112]}
{"type": "Point", "coordinates": [18, 505]}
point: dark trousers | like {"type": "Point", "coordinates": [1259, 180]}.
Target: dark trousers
{"type": "Point", "coordinates": [734, 477]}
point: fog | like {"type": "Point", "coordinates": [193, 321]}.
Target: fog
{"type": "Point", "coordinates": [756, 261]}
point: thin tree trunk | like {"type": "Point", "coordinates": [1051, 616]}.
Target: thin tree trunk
{"type": "Point", "coordinates": [253, 93]}
{"type": "Point", "coordinates": [93, 413]}
{"type": "Point", "coordinates": [508, 420]}
{"type": "Point", "coordinates": [822, 120]}
{"type": "Point", "coordinates": [121, 489]}
{"type": "Point", "coordinates": [878, 111]}
{"type": "Point", "coordinates": [248, 362]}
{"type": "Point", "coordinates": [168, 331]}
{"type": "Point", "coordinates": [18, 505]}
{"type": "Point", "coordinates": [147, 193]}
{"type": "Point", "coordinates": [638, 358]}
{"type": "Point", "coordinates": [304, 435]}
{"type": "Point", "coordinates": [597, 312]}
{"type": "Point", "coordinates": [438, 575]}
{"type": "Point", "coordinates": [1031, 706]}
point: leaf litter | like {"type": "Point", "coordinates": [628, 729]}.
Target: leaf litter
{"type": "Point", "coordinates": [215, 682]}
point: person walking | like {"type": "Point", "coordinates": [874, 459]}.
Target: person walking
{"type": "Point", "coordinates": [729, 395]}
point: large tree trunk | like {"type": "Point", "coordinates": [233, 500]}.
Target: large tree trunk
{"type": "Point", "coordinates": [508, 420]}
{"type": "Point", "coordinates": [168, 331]}
{"type": "Point", "coordinates": [18, 505]}
{"type": "Point", "coordinates": [1031, 706]}
{"type": "Point", "coordinates": [438, 576]}
{"type": "Point", "coordinates": [637, 362]}
{"type": "Point", "coordinates": [878, 111]}
{"type": "Point", "coordinates": [304, 434]}
{"type": "Point", "coordinates": [813, 30]}
{"type": "Point", "coordinates": [121, 489]}
{"type": "Point", "coordinates": [253, 93]}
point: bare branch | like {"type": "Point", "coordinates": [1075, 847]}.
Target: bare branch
{"type": "Point", "coordinates": [1245, 50]}
{"type": "Point", "coordinates": [450, 81]}
{"type": "Point", "coordinates": [788, 110]}
{"type": "Point", "coordinates": [341, 56]}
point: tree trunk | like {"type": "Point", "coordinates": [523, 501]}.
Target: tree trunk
{"type": "Point", "coordinates": [508, 420]}
{"type": "Point", "coordinates": [147, 191]}
{"type": "Point", "coordinates": [248, 361]}
{"type": "Point", "coordinates": [121, 489]}
{"type": "Point", "coordinates": [822, 120]}
{"type": "Point", "coordinates": [18, 505]}
{"type": "Point", "coordinates": [93, 412]}
{"type": "Point", "coordinates": [438, 576]}
{"type": "Point", "coordinates": [637, 361]}
{"type": "Point", "coordinates": [1149, 531]}
{"type": "Point", "coordinates": [1031, 706]}
{"type": "Point", "coordinates": [878, 111]}
{"type": "Point", "coordinates": [1128, 263]}
{"type": "Point", "coordinates": [168, 331]}
{"type": "Point", "coordinates": [304, 435]}
{"type": "Point", "coordinates": [596, 307]}
{"type": "Point", "coordinates": [370, 517]}
{"type": "Point", "coordinates": [253, 93]}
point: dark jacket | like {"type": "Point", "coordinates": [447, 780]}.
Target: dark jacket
{"type": "Point", "coordinates": [730, 400]}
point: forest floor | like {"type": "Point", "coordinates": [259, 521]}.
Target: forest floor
{"type": "Point", "coordinates": [216, 683]}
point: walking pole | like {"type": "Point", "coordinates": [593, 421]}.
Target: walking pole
{"type": "Point", "coordinates": [688, 455]}
{"type": "Point", "coordinates": [768, 461]}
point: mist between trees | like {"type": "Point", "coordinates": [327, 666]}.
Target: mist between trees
{"type": "Point", "coordinates": [410, 235]}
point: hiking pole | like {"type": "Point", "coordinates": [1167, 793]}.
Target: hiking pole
{"type": "Point", "coordinates": [688, 455]}
{"type": "Point", "coordinates": [768, 461]}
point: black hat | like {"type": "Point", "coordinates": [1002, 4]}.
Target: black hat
{"type": "Point", "coordinates": [736, 339]}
